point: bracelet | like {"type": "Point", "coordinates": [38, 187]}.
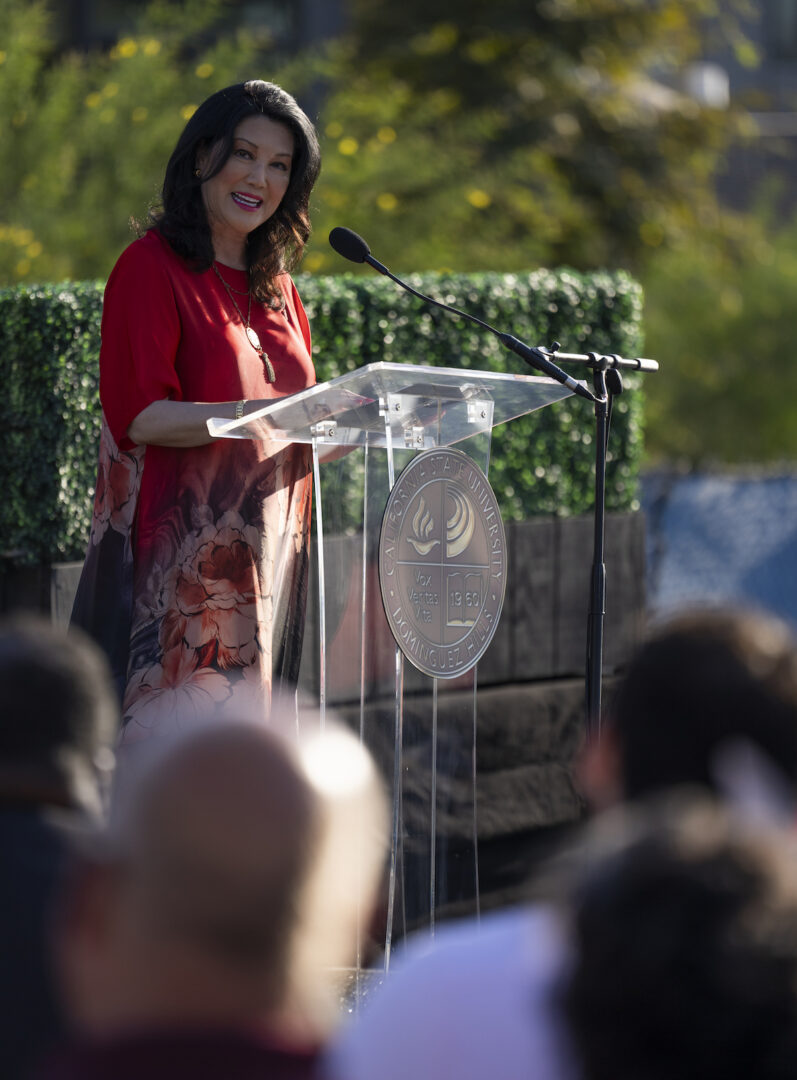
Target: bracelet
{"type": "Point", "coordinates": [239, 409]}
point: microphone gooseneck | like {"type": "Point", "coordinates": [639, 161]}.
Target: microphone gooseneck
{"type": "Point", "coordinates": [352, 247]}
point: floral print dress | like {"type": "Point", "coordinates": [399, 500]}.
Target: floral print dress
{"type": "Point", "coordinates": [196, 571]}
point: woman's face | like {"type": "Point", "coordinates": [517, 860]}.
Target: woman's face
{"type": "Point", "coordinates": [251, 183]}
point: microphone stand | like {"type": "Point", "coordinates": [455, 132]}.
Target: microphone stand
{"type": "Point", "coordinates": [607, 384]}
{"type": "Point", "coordinates": [597, 595]}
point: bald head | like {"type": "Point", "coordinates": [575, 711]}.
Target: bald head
{"type": "Point", "coordinates": [187, 908]}
{"type": "Point", "coordinates": [224, 890]}
{"type": "Point", "coordinates": [217, 841]}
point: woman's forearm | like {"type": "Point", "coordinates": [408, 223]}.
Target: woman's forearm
{"type": "Point", "coordinates": [179, 423]}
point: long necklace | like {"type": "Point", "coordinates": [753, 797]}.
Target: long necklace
{"type": "Point", "coordinates": [251, 333]}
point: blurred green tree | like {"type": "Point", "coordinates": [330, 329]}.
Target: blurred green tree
{"type": "Point", "coordinates": [722, 326]}
{"type": "Point", "coordinates": [499, 135]}
{"type": "Point", "coordinates": [86, 137]}
{"type": "Point", "coordinates": [514, 134]}
{"type": "Point", "coordinates": [464, 135]}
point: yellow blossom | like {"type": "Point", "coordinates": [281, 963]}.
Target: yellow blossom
{"type": "Point", "coordinates": [314, 262]}
{"type": "Point", "coordinates": [386, 135]}
{"type": "Point", "coordinates": [110, 89]}
{"type": "Point", "coordinates": [93, 100]}
{"type": "Point", "coordinates": [107, 116]}
{"type": "Point", "coordinates": [334, 129]}
{"type": "Point", "coordinates": [22, 268]}
{"type": "Point", "coordinates": [204, 71]}
{"type": "Point", "coordinates": [33, 250]}
{"type": "Point", "coordinates": [386, 201]}
{"type": "Point", "coordinates": [188, 111]}
{"type": "Point", "coordinates": [478, 198]}
{"type": "Point", "coordinates": [127, 47]}
{"type": "Point", "coordinates": [152, 47]}
{"type": "Point", "coordinates": [348, 146]}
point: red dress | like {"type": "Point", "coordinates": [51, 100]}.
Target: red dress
{"type": "Point", "coordinates": [196, 571]}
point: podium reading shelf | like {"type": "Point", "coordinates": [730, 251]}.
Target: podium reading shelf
{"type": "Point", "coordinates": [421, 729]}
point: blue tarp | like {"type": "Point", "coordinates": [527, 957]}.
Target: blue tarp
{"type": "Point", "coordinates": [721, 539]}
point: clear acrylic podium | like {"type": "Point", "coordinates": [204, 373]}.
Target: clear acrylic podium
{"type": "Point", "coordinates": [421, 730]}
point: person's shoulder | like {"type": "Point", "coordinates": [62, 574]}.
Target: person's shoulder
{"type": "Point", "coordinates": [290, 296]}
{"type": "Point", "coordinates": [488, 949]}
{"type": "Point", "coordinates": [149, 253]}
{"type": "Point", "coordinates": [141, 255]}
{"type": "Point", "coordinates": [147, 264]}
{"type": "Point", "coordinates": [287, 286]}
{"type": "Point", "coordinates": [496, 937]}
{"type": "Point", "coordinates": [474, 999]}
{"type": "Point", "coordinates": [497, 953]}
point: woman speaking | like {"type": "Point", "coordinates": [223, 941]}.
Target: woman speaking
{"type": "Point", "coordinates": [195, 576]}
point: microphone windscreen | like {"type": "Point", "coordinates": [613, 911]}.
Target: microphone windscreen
{"type": "Point", "coordinates": [349, 244]}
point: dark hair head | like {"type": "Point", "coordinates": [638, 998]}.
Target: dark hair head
{"type": "Point", "coordinates": [685, 949]}
{"type": "Point", "coordinates": [59, 713]}
{"type": "Point", "coordinates": [701, 680]}
{"type": "Point", "coordinates": [275, 246]}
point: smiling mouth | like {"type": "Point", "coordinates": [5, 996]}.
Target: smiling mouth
{"type": "Point", "coordinates": [246, 202]}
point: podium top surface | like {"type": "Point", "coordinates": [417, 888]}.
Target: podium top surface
{"type": "Point", "coordinates": [406, 405]}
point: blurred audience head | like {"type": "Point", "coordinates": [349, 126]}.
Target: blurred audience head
{"type": "Point", "coordinates": [223, 889]}
{"type": "Point", "coordinates": [685, 947]}
{"type": "Point", "coordinates": [59, 715]}
{"type": "Point", "coordinates": [701, 682]}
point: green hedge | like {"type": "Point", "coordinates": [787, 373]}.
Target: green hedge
{"type": "Point", "coordinates": [541, 464]}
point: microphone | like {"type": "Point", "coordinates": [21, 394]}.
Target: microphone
{"type": "Point", "coordinates": [354, 248]}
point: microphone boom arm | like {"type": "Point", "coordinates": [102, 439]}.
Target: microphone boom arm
{"type": "Point", "coordinates": [537, 358]}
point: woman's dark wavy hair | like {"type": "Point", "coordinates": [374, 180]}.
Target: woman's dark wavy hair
{"type": "Point", "coordinates": [277, 244]}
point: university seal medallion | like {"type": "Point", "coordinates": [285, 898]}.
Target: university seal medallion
{"type": "Point", "coordinates": [442, 562]}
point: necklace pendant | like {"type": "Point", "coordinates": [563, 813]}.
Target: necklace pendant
{"type": "Point", "coordinates": [254, 341]}
{"type": "Point", "coordinates": [269, 367]}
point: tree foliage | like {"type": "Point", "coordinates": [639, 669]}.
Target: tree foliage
{"type": "Point", "coordinates": [519, 133]}
{"type": "Point", "coordinates": [500, 135]}
{"type": "Point", "coordinates": [86, 136]}
{"type": "Point", "coordinates": [724, 330]}
{"type": "Point", "coordinates": [466, 135]}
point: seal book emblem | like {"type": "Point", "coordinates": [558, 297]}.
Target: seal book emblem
{"type": "Point", "coordinates": [442, 562]}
